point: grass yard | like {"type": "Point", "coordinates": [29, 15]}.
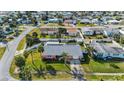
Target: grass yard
{"type": "Point", "coordinates": [94, 37]}
{"type": "Point", "coordinates": [103, 66]}
{"type": "Point", "coordinates": [81, 25]}
{"type": "Point", "coordinates": [37, 60]}
{"type": "Point", "coordinates": [61, 76]}
{"type": "Point", "coordinates": [21, 44]}
{"type": "Point", "coordinates": [2, 50]}
{"type": "Point", "coordinates": [105, 78]}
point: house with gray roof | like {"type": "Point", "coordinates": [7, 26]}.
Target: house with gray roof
{"type": "Point", "coordinates": [53, 50]}
{"type": "Point", "coordinates": [106, 50]}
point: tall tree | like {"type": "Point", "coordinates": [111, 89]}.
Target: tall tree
{"type": "Point", "coordinates": [19, 61]}
{"type": "Point", "coordinates": [26, 54]}
{"type": "Point", "coordinates": [29, 40]}
{"type": "Point", "coordinates": [40, 50]}
{"type": "Point", "coordinates": [25, 74]}
{"type": "Point", "coordinates": [34, 34]}
{"type": "Point", "coordinates": [64, 57]}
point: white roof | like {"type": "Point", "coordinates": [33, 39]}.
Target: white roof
{"type": "Point", "coordinates": [121, 31]}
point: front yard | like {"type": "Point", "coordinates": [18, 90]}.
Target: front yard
{"type": "Point", "coordinates": [95, 37]}
{"type": "Point", "coordinates": [101, 66]}
{"type": "Point", "coordinates": [59, 67]}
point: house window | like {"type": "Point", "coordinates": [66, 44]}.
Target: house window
{"type": "Point", "coordinates": [100, 54]}
{"type": "Point", "coordinates": [108, 54]}
{"type": "Point", "coordinates": [115, 54]}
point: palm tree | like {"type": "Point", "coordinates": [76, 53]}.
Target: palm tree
{"type": "Point", "coordinates": [26, 54]}
{"type": "Point", "coordinates": [40, 50]}
{"type": "Point", "coordinates": [29, 40]}
{"type": "Point", "coordinates": [64, 57]}
{"type": "Point", "coordinates": [25, 74]}
{"type": "Point", "coordinates": [31, 52]}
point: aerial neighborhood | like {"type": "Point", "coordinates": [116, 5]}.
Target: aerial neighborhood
{"type": "Point", "coordinates": [62, 45]}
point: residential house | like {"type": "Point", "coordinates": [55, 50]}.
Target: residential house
{"type": "Point", "coordinates": [107, 50]}
{"type": "Point", "coordinates": [72, 31]}
{"type": "Point", "coordinates": [85, 21]}
{"type": "Point", "coordinates": [111, 31]}
{"type": "Point", "coordinates": [54, 50]}
{"type": "Point", "coordinates": [49, 31]}
{"type": "Point", "coordinates": [92, 30]}
{"type": "Point", "coordinates": [87, 31]}
{"type": "Point", "coordinates": [113, 22]}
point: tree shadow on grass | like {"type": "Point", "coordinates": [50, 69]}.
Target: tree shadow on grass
{"type": "Point", "coordinates": [51, 70]}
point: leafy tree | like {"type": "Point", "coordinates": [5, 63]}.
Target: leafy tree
{"type": "Point", "coordinates": [29, 40]}
{"type": "Point", "coordinates": [19, 61]}
{"type": "Point", "coordinates": [25, 74]}
{"type": "Point", "coordinates": [64, 57]}
{"type": "Point", "coordinates": [34, 34]}
{"type": "Point", "coordinates": [26, 54]}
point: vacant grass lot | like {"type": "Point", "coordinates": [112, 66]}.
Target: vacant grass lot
{"type": "Point", "coordinates": [60, 67]}
{"type": "Point", "coordinates": [103, 66]}
{"type": "Point", "coordinates": [2, 50]}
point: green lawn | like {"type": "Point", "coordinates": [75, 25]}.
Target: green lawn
{"type": "Point", "coordinates": [63, 76]}
{"type": "Point", "coordinates": [37, 60]}
{"type": "Point", "coordinates": [21, 44]}
{"type": "Point", "coordinates": [94, 37]}
{"type": "Point", "coordinates": [103, 66]}
{"type": "Point", "coordinates": [2, 50]}
{"type": "Point", "coordinates": [81, 25]}
{"type": "Point", "coordinates": [36, 30]}
{"type": "Point", "coordinates": [105, 78]}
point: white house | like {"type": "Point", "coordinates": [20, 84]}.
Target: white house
{"type": "Point", "coordinates": [49, 31]}
{"type": "Point", "coordinates": [72, 31]}
{"type": "Point", "coordinates": [92, 30]}
{"type": "Point", "coordinates": [87, 31]}
{"type": "Point", "coordinates": [105, 50]}
{"type": "Point", "coordinates": [111, 31]}
{"type": "Point", "coordinates": [113, 22]}
{"type": "Point", "coordinates": [85, 21]}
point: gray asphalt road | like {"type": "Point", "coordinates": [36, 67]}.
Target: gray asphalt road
{"type": "Point", "coordinates": [8, 56]}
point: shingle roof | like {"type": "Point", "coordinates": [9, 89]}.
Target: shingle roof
{"type": "Point", "coordinates": [72, 29]}
{"type": "Point", "coordinates": [101, 47]}
{"type": "Point", "coordinates": [58, 49]}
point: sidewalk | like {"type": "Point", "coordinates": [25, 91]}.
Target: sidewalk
{"type": "Point", "coordinates": [111, 74]}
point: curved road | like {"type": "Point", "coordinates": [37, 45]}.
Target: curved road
{"type": "Point", "coordinates": [8, 56]}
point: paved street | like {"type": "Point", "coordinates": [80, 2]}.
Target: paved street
{"type": "Point", "coordinates": [8, 56]}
